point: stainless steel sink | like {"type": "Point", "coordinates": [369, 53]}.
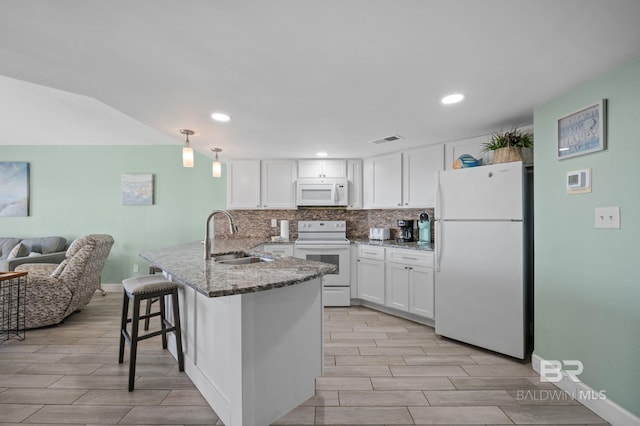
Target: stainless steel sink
{"type": "Point", "coordinates": [230, 256]}
{"type": "Point", "coordinates": [238, 258]}
{"type": "Point", "coordinates": [242, 260]}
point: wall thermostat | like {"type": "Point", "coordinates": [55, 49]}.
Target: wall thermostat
{"type": "Point", "coordinates": [578, 181]}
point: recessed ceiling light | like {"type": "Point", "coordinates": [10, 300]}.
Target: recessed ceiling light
{"type": "Point", "coordinates": [452, 99]}
{"type": "Point", "coordinates": [221, 116]}
{"type": "Point", "coordinates": [322, 154]}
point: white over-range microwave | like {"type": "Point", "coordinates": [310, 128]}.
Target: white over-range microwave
{"type": "Point", "coordinates": [322, 192]}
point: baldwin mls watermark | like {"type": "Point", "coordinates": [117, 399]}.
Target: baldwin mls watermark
{"type": "Point", "coordinates": [554, 371]}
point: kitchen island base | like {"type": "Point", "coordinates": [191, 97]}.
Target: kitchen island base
{"type": "Point", "coordinates": [253, 356]}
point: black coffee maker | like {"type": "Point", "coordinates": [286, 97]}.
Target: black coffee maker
{"type": "Point", "coordinates": [406, 231]}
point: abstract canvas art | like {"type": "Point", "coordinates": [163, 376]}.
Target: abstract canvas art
{"type": "Point", "coordinates": [14, 188]}
{"type": "Point", "coordinates": [137, 189]}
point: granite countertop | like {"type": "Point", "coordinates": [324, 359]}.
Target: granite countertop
{"type": "Point", "coordinates": [393, 244]}
{"type": "Point", "coordinates": [186, 264]}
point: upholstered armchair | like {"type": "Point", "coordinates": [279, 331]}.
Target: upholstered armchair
{"type": "Point", "coordinates": [56, 291]}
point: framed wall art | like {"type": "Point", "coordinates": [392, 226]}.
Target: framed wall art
{"type": "Point", "coordinates": [583, 131]}
{"type": "Point", "coordinates": [14, 188]}
{"type": "Point", "coordinates": [137, 189]}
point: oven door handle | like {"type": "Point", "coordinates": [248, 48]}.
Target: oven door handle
{"type": "Point", "coordinates": [322, 247]}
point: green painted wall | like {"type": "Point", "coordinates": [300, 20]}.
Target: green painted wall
{"type": "Point", "coordinates": [75, 190]}
{"type": "Point", "coordinates": [587, 283]}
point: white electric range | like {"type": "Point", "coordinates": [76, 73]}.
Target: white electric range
{"type": "Point", "coordinates": [326, 241]}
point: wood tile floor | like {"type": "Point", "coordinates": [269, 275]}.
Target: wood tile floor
{"type": "Point", "coordinates": [380, 370]}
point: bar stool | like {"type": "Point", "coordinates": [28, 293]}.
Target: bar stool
{"type": "Point", "coordinates": [142, 288]}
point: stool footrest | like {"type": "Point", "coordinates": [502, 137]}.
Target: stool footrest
{"type": "Point", "coordinates": [141, 317]}
{"type": "Point", "coordinates": [156, 333]}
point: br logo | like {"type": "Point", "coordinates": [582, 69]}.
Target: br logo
{"type": "Point", "coordinates": [552, 370]}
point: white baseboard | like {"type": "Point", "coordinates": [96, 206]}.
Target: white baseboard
{"type": "Point", "coordinates": [406, 315]}
{"type": "Point", "coordinates": [605, 408]}
{"type": "Point", "coordinates": [111, 288]}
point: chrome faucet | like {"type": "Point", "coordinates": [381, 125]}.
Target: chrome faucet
{"type": "Point", "coordinates": [207, 241]}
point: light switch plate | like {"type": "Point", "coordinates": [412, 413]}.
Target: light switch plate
{"type": "Point", "coordinates": [608, 217]}
{"type": "Point", "coordinates": [274, 222]}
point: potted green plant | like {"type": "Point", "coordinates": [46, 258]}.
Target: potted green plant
{"type": "Point", "coordinates": [507, 146]}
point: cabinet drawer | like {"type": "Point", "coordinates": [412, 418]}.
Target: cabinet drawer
{"type": "Point", "coordinates": [410, 257]}
{"type": "Point", "coordinates": [336, 296]}
{"type": "Point", "coordinates": [279, 249]}
{"type": "Point", "coordinates": [370, 252]}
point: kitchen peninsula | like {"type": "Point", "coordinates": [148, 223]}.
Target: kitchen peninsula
{"type": "Point", "coordinates": [252, 333]}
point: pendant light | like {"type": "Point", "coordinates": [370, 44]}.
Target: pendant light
{"type": "Point", "coordinates": [187, 151]}
{"type": "Point", "coordinates": [217, 166]}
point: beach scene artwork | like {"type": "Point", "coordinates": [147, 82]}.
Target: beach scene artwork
{"type": "Point", "coordinates": [137, 189]}
{"type": "Point", "coordinates": [14, 188]}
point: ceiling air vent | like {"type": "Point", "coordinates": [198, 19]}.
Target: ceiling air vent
{"type": "Point", "coordinates": [391, 138]}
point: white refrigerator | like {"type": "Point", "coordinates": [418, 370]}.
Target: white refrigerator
{"type": "Point", "coordinates": [483, 292]}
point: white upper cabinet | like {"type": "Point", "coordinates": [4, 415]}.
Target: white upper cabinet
{"type": "Point", "coordinates": [267, 184]}
{"type": "Point", "coordinates": [243, 184]}
{"type": "Point", "coordinates": [419, 167]}
{"type": "Point", "coordinates": [354, 176]}
{"type": "Point", "coordinates": [278, 184]}
{"type": "Point", "coordinates": [382, 181]}
{"type": "Point", "coordinates": [402, 179]}
{"type": "Point", "coordinates": [322, 168]}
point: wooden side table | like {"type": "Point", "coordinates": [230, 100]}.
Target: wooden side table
{"type": "Point", "coordinates": [13, 293]}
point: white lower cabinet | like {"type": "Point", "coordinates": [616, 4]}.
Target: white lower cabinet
{"type": "Point", "coordinates": [397, 286]}
{"type": "Point", "coordinates": [421, 291]}
{"type": "Point", "coordinates": [354, 271]}
{"type": "Point", "coordinates": [371, 274]}
{"type": "Point", "coordinates": [371, 280]}
{"type": "Point", "coordinates": [410, 289]}
{"type": "Point", "coordinates": [410, 281]}
{"type": "Point", "coordinates": [404, 281]}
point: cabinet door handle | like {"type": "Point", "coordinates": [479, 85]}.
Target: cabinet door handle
{"type": "Point", "coordinates": [409, 258]}
{"type": "Point", "coordinates": [399, 204]}
{"type": "Point", "coordinates": [370, 252]}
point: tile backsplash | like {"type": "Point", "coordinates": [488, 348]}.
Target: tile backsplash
{"type": "Point", "coordinates": [257, 223]}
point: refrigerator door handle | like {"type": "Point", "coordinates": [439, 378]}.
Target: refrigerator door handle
{"type": "Point", "coordinates": [438, 245]}
{"type": "Point", "coordinates": [438, 197]}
